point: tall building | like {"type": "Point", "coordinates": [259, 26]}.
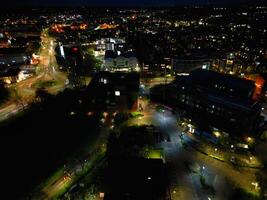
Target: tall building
{"type": "Point", "coordinates": [221, 101]}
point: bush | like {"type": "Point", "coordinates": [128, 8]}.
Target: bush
{"type": "Point", "coordinates": [4, 93]}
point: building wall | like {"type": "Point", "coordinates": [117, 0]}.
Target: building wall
{"type": "Point", "coordinates": [121, 64]}
{"type": "Point", "coordinates": [186, 66]}
{"type": "Point", "coordinates": [214, 110]}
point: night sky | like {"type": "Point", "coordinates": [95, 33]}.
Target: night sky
{"type": "Point", "coordinates": [127, 2]}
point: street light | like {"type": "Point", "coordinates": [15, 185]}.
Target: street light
{"type": "Point", "coordinates": [256, 184]}
{"type": "Point", "coordinates": [201, 170]}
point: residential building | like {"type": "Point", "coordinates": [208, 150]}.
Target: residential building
{"type": "Point", "coordinates": [113, 91]}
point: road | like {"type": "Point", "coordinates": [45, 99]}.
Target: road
{"type": "Point", "coordinates": [185, 183]}
{"type": "Point", "coordinates": [151, 82]}
{"type": "Point", "coordinates": [186, 164]}
{"type": "Point", "coordinates": [23, 93]}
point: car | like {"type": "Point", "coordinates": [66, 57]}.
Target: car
{"type": "Point", "coordinates": [232, 160]}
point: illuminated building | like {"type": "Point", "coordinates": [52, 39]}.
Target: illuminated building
{"type": "Point", "coordinates": [186, 64]}
{"type": "Point", "coordinates": [107, 26]}
{"type": "Point", "coordinates": [126, 62]}
{"type": "Point", "coordinates": [259, 82]}
{"type": "Point", "coordinates": [221, 101]}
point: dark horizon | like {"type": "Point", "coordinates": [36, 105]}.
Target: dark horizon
{"type": "Point", "coordinates": [138, 3]}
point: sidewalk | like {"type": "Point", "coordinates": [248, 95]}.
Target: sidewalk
{"type": "Point", "coordinates": [220, 153]}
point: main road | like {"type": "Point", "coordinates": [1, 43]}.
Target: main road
{"type": "Point", "coordinates": [23, 93]}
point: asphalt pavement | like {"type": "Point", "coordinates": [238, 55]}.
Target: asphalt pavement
{"type": "Point", "coordinates": [219, 177]}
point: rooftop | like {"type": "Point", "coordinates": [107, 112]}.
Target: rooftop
{"type": "Point", "coordinates": [223, 84]}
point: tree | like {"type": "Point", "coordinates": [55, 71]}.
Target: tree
{"type": "Point", "coordinates": [42, 94]}
{"type": "Point", "coordinates": [129, 141]}
{"type": "Point", "coordinates": [91, 61]}
{"type": "Point", "coordinates": [4, 93]}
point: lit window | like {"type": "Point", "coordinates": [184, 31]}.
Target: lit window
{"type": "Point", "coordinates": [204, 66]}
{"type": "Point", "coordinates": [117, 93]}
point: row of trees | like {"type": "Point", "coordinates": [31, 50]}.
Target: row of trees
{"type": "Point", "coordinates": [51, 130]}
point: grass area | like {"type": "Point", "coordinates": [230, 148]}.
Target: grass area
{"type": "Point", "coordinates": [153, 153]}
{"type": "Point", "coordinates": [44, 84]}
{"type": "Point", "coordinates": [136, 114]}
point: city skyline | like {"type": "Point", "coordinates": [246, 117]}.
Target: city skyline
{"type": "Point", "coordinates": [129, 3]}
{"type": "Point", "coordinates": [133, 100]}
